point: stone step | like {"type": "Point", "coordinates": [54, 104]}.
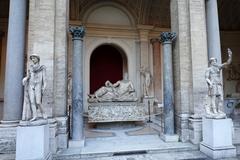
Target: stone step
{"type": "Point", "coordinates": [171, 155]}
{"type": "Point", "coordinates": [184, 148]}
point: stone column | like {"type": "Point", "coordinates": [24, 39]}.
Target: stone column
{"type": "Point", "coordinates": [213, 35]}
{"type": "Point", "coordinates": [157, 69]}
{"type": "Point", "coordinates": [166, 39]}
{"type": "Point", "coordinates": [77, 82]}
{"type": "Point", "coordinates": [13, 92]}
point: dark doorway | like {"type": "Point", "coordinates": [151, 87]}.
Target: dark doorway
{"type": "Point", "coordinates": [106, 63]}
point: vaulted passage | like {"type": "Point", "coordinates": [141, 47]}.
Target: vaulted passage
{"type": "Point", "coordinates": [106, 63]}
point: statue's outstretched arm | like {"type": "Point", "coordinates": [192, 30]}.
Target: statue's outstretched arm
{"type": "Point", "coordinates": [116, 84]}
{"type": "Point", "coordinates": [229, 61]}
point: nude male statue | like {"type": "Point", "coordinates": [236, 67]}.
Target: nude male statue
{"type": "Point", "coordinates": [215, 92]}
{"type": "Point", "coordinates": [35, 85]}
{"type": "Point", "coordinates": [147, 80]}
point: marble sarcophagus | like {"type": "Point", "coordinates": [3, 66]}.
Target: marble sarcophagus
{"type": "Point", "coordinates": [115, 112]}
{"type": "Point", "coordinates": [115, 102]}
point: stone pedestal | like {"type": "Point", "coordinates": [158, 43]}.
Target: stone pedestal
{"type": "Point", "coordinates": [33, 143]}
{"type": "Point", "coordinates": [170, 138]}
{"type": "Point", "coordinates": [217, 138]}
{"type": "Point", "coordinates": [195, 130]}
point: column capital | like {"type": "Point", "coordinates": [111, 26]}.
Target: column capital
{"type": "Point", "coordinates": [77, 32]}
{"type": "Point", "coordinates": [167, 37]}
{"type": "Point", "coordinates": [154, 40]}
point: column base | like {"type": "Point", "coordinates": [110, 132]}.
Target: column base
{"type": "Point", "coordinates": [76, 143]}
{"type": "Point", "coordinates": [219, 152]}
{"type": "Point", "coordinates": [62, 132]}
{"type": "Point", "coordinates": [7, 139]}
{"type": "Point", "coordinates": [170, 138]}
{"type": "Point", "coordinates": [8, 136]}
{"type": "Point", "coordinates": [6, 124]}
{"type": "Point", "coordinates": [195, 130]}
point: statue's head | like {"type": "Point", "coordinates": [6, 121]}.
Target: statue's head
{"type": "Point", "coordinates": [35, 58]}
{"type": "Point", "coordinates": [213, 61]}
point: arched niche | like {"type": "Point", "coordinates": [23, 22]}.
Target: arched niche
{"type": "Point", "coordinates": [107, 62]}
{"type": "Point", "coordinates": [127, 48]}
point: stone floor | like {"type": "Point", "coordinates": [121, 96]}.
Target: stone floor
{"type": "Point", "coordinates": [129, 141]}
{"type": "Point", "coordinates": [195, 155]}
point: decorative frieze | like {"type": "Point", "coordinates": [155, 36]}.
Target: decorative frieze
{"type": "Point", "coordinates": [115, 111]}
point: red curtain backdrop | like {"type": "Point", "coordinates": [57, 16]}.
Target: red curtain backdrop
{"type": "Point", "coordinates": [106, 63]}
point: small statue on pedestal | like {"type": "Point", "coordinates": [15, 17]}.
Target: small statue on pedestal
{"type": "Point", "coordinates": [34, 87]}
{"type": "Point", "coordinates": [147, 80]}
{"type": "Point", "coordinates": [215, 90]}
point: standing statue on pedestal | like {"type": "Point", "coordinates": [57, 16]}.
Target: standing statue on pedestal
{"type": "Point", "coordinates": [147, 80]}
{"type": "Point", "coordinates": [34, 87]}
{"type": "Point", "coordinates": [215, 90]}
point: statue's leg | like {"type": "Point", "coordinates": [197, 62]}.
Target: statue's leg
{"type": "Point", "coordinates": [33, 103]}
{"type": "Point", "coordinates": [39, 100]}
{"type": "Point", "coordinates": [213, 102]}
{"type": "Point", "coordinates": [220, 99]}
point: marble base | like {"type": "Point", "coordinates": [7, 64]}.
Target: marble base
{"type": "Point", "coordinates": [38, 122]}
{"type": "Point", "coordinates": [219, 152]}
{"type": "Point", "coordinates": [7, 124]}
{"type": "Point", "coordinates": [7, 140]}
{"type": "Point", "coordinates": [76, 144]}
{"type": "Point", "coordinates": [217, 138]}
{"type": "Point", "coordinates": [116, 112]}
{"type": "Point", "coordinates": [33, 143]}
{"type": "Point", "coordinates": [170, 138]}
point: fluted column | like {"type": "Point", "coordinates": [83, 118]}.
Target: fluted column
{"type": "Point", "coordinates": [213, 34]}
{"type": "Point", "coordinates": [78, 33]}
{"type": "Point", "coordinates": [166, 39]}
{"type": "Point", "coordinates": [157, 68]}
{"type": "Point", "coordinates": [13, 89]}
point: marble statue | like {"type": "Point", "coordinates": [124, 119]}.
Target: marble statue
{"type": "Point", "coordinates": [34, 87]}
{"type": "Point", "coordinates": [147, 80]}
{"type": "Point", "coordinates": [122, 90]}
{"type": "Point", "coordinates": [215, 90]}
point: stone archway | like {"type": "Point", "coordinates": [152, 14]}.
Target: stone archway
{"type": "Point", "coordinates": [107, 62]}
